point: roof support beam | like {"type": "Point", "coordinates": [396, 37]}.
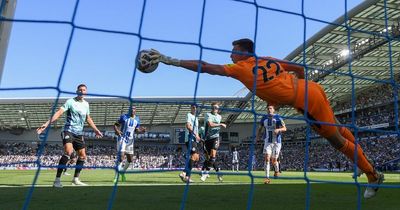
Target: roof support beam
{"type": "Point", "coordinates": [153, 115]}
{"type": "Point", "coordinates": [176, 114]}
{"type": "Point", "coordinates": [352, 34]}
{"type": "Point", "coordinates": [374, 21]}
{"type": "Point", "coordinates": [390, 6]}
{"type": "Point", "coordinates": [241, 105]}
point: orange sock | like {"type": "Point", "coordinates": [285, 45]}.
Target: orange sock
{"type": "Point", "coordinates": [346, 133]}
{"type": "Point", "coordinates": [348, 149]}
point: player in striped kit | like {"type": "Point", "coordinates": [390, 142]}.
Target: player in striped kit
{"type": "Point", "coordinates": [272, 127]}
{"type": "Point", "coordinates": [125, 128]}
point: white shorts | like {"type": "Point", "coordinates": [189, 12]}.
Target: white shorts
{"type": "Point", "coordinates": [272, 149]}
{"type": "Point", "coordinates": [125, 145]}
{"type": "Point", "coordinates": [235, 161]}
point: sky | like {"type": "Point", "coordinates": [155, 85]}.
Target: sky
{"type": "Point", "coordinates": [38, 55]}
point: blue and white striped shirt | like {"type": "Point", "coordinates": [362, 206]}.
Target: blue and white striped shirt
{"type": "Point", "coordinates": [271, 123]}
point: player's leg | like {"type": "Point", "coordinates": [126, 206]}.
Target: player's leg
{"type": "Point", "coordinates": [119, 163]}
{"type": "Point", "coordinates": [184, 174]}
{"type": "Point", "coordinates": [68, 150]}
{"type": "Point", "coordinates": [213, 163]}
{"type": "Point", "coordinates": [349, 149]}
{"type": "Point", "coordinates": [80, 148]}
{"type": "Point", "coordinates": [267, 151]}
{"type": "Point", "coordinates": [128, 153]}
{"type": "Point", "coordinates": [347, 134]}
{"type": "Point", "coordinates": [128, 162]}
{"type": "Point", "coordinates": [69, 163]}
{"type": "Point", "coordinates": [267, 166]}
{"type": "Point", "coordinates": [206, 159]}
{"type": "Point", "coordinates": [121, 149]}
{"type": "Point", "coordinates": [194, 157]}
{"type": "Point", "coordinates": [213, 157]}
{"type": "Point", "coordinates": [275, 155]}
{"type": "Point", "coordinates": [208, 148]}
{"type": "Point", "coordinates": [345, 142]}
{"type": "Point", "coordinates": [319, 109]}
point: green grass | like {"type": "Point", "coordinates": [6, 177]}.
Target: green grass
{"type": "Point", "coordinates": [164, 190]}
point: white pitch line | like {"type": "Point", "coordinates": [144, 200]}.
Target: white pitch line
{"type": "Point", "coordinates": [138, 184]}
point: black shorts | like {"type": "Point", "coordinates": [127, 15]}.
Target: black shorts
{"type": "Point", "coordinates": [194, 148]}
{"type": "Point", "coordinates": [210, 144]}
{"type": "Point", "coordinates": [77, 140]}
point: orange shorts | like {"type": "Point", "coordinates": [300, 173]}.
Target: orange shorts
{"type": "Point", "coordinates": [318, 109]}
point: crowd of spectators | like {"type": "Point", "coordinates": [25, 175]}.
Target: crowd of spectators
{"type": "Point", "coordinates": [371, 97]}
{"type": "Point", "coordinates": [320, 156]}
{"type": "Point", "coordinates": [22, 155]}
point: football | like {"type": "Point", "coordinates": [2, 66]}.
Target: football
{"type": "Point", "coordinates": [143, 62]}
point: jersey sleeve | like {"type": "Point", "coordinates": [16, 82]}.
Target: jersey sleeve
{"type": "Point", "coordinates": [233, 70]}
{"type": "Point", "coordinates": [282, 123]}
{"type": "Point", "coordinates": [138, 122]}
{"type": "Point", "coordinates": [207, 118]}
{"type": "Point", "coordinates": [188, 118]}
{"type": "Point", "coordinates": [88, 109]}
{"type": "Point", "coordinates": [67, 105]}
{"type": "Point", "coordinates": [121, 119]}
{"type": "Point", "coordinates": [219, 118]}
{"type": "Point", "coordinates": [262, 121]}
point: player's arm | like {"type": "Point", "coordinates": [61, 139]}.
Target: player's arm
{"type": "Point", "coordinates": [208, 68]}
{"type": "Point", "coordinates": [89, 120]}
{"type": "Point", "coordinates": [53, 119]}
{"type": "Point", "coordinates": [190, 129]}
{"type": "Point", "coordinates": [192, 65]}
{"type": "Point", "coordinates": [280, 129]}
{"type": "Point", "coordinates": [140, 130]}
{"type": "Point", "coordinates": [283, 126]}
{"type": "Point", "coordinates": [116, 129]}
{"type": "Point", "coordinates": [212, 124]}
{"type": "Point", "coordinates": [292, 67]}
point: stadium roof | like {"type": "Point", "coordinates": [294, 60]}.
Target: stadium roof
{"type": "Point", "coordinates": [30, 113]}
{"type": "Point", "coordinates": [363, 38]}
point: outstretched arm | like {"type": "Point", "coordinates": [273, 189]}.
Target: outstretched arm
{"type": "Point", "coordinates": [47, 123]}
{"type": "Point", "coordinates": [208, 68]}
{"type": "Point", "coordinates": [192, 65]}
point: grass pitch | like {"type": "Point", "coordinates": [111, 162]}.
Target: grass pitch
{"type": "Point", "coordinates": [164, 190]}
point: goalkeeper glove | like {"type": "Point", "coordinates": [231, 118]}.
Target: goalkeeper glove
{"type": "Point", "coordinates": [158, 57]}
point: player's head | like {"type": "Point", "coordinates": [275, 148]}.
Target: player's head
{"type": "Point", "coordinates": [132, 111]}
{"type": "Point", "coordinates": [81, 90]}
{"type": "Point", "coordinates": [241, 49]}
{"type": "Point", "coordinates": [214, 107]}
{"type": "Point", "coordinates": [193, 108]}
{"type": "Point", "coordinates": [270, 109]}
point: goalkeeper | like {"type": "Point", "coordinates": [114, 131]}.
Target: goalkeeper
{"type": "Point", "coordinates": [270, 80]}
